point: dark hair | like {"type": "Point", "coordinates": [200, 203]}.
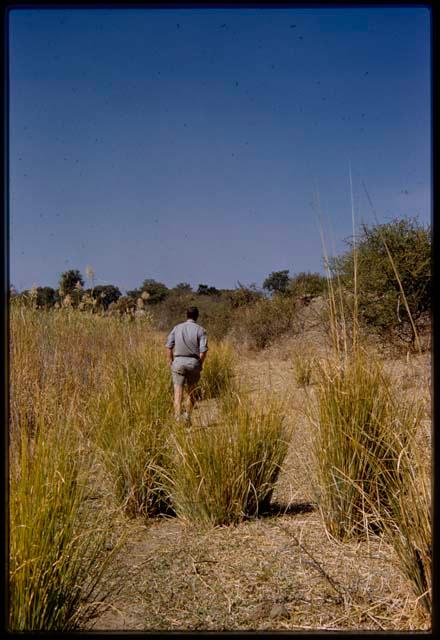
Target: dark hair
{"type": "Point", "coordinates": [192, 313]}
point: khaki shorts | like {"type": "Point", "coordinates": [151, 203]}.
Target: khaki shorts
{"type": "Point", "coordinates": [185, 370]}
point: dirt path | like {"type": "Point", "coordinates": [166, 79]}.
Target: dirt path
{"type": "Point", "coordinates": [278, 572]}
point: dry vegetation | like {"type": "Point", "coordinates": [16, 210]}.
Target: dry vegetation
{"type": "Point", "coordinates": [109, 455]}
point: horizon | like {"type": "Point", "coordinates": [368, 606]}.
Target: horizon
{"type": "Point", "coordinates": [173, 142]}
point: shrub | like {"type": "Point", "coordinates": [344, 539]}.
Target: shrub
{"type": "Point", "coordinates": [307, 284]}
{"type": "Point", "coordinates": [379, 296]}
{"type": "Point", "coordinates": [104, 295]}
{"type": "Point", "coordinates": [242, 296]}
{"type": "Point", "coordinates": [226, 472]}
{"type": "Point", "coordinates": [214, 315]}
{"type": "Point", "coordinates": [264, 322]}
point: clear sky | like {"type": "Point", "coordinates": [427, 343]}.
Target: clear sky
{"type": "Point", "coordinates": [189, 144]}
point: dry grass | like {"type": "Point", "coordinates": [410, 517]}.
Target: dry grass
{"type": "Point", "coordinates": [277, 572]}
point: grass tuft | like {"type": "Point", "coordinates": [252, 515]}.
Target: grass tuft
{"type": "Point", "coordinates": [134, 415]}
{"type": "Point", "coordinates": [223, 473]}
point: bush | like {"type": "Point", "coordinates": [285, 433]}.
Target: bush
{"type": "Point", "coordinates": [379, 297]}
{"type": "Point", "coordinates": [265, 321]}
{"type": "Point", "coordinates": [307, 284]}
{"type": "Point", "coordinates": [215, 313]}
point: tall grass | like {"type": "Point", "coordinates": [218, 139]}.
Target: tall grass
{"type": "Point", "coordinates": [365, 447]}
{"type": "Point", "coordinates": [55, 543]}
{"type": "Point", "coordinates": [227, 471]}
{"type": "Point", "coordinates": [134, 415]}
{"type": "Point", "coordinates": [303, 365]}
{"type": "Point", "coordinates": [218, 371]}
{"type": "Point", "coordinates": [361, 428]}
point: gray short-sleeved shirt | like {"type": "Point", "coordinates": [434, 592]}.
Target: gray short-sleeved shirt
{"type": "Point", "coordinates": [188, 339]}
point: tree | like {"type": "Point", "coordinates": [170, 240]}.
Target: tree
{"type": "Point", "coordinates": [183, 287]}
{"type": "Point", "coordinates": [380, 300]}
{"type": "Point", "coordinates": [105, 294]}
{"type": "Point", "coordinates": [307, 284]}
{"type": "Point", "coordinates": [133, 293]}
{"type": "Point", "coordinates": [157, 290]}
{"type": "Point", "coordinates": [205, 290]}
{"type": "Point", "coordinates": [46, 297]}
{"type": "Point", "coordinates": [277, 281]}
{"type": "Point", "coordinates": [69, 282]}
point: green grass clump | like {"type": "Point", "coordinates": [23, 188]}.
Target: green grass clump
{"type": "Point", "coordinates": [359, 426]}
{"type": "Point", "coordinates": [55, 542]}
{"type": "Point", "coordinates": [134, 415]}
{"type": "Point", "coordinates": [227, 471]}
{"type": "Point", "coordinates": [407, 521]}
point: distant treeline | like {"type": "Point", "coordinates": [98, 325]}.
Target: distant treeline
{"type": "Point", "coordinates": [392, 263]}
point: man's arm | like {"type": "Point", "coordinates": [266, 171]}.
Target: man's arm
{"type": "Point", "coordinates": [171, 341]}
{"type": "Point", "coordinates": [203, 345]}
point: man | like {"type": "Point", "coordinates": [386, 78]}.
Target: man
{"type": "Point", "coordinates": [187, 346]}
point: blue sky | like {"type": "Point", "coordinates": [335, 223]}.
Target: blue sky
{"type": "Point", "coordinates": [189, 145]}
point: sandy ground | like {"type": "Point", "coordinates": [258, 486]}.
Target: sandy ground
{"type": "Point", "coordinates": [278, 572]}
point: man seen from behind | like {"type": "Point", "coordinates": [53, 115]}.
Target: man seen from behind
{"type": "Point", "coordinates": [187, 345]}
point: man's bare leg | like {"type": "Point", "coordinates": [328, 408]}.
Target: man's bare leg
{"type": "Point", "coordinates": [191, 399]}
{"type": "Point", "coordinates": [178, 395]}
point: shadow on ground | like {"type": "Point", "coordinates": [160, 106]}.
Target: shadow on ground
{"type": "Point", "coordinates": [276, 509]}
